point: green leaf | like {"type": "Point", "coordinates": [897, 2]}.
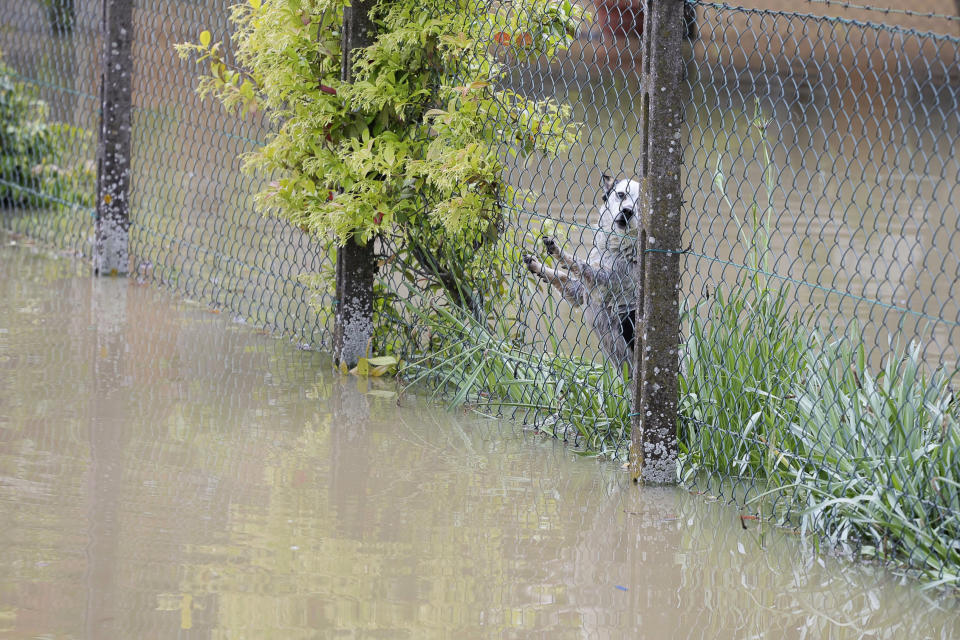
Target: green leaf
{"type": "Point", "coordinates": [205, 38]}
{"type": "Point", "coordinates": [362, 368]}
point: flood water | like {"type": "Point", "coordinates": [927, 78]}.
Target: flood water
{"type": "Point", "coordinates": [168, 472]}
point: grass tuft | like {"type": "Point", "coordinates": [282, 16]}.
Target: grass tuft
{"type": "Point", "coordinates": [869, 461]}
{"type": "Point", "coordinates": [479, 365]}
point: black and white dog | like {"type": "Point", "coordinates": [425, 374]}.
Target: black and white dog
{"type": "Point", "coordinates": [606, 283]}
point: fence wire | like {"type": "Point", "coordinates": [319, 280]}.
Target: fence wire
{"type": "Point", "coordinates": [193, 223]}
{"type": "Point", "coordinates": [821, 278]}
{"type": "Point", "coordinates": [821, 318]}
{"type": "Point", "coordinates": [49, 86]}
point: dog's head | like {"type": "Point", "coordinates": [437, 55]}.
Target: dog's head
{"type": "Point", "coordinates": [617, 233]}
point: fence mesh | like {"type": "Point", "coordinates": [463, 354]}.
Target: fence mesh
{"type": "Point", "coordinates": [821, 322]}
{"type": "Point", "coordinates": [49, 86]}
{"type": "Point", "coordinates": [193, 223]}
{"type": "Point", "coordinates": [820, 280]}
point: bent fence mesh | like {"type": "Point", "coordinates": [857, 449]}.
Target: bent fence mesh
{"type": "Point", "coordinates": [819, 290]}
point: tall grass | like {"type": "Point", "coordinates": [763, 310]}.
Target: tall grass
{"type": "Point", "coordinates": [479, 365]}
{"type": "Point", "coordinates": [867, 460]}
{"type": "Point", "coordinates": [884, 454]}
{"type": "Point", "coordinates": [739, 364]}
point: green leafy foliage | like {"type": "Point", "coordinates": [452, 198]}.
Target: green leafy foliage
{"type": "Point", "coordinates": [39, 166]}
{"type": "Point", "coordinates": [413, 150]}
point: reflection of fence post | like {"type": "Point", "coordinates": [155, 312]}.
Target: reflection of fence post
{"type": "Point", "coordinates": [111, 253]}
{"type": "Point", "coordinates": [653, 447]}
{"type": "Point", "coordinates": [353, 323]}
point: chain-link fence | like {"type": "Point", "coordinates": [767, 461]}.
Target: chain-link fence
{"type": "Point", "coordinates": [193, 223]}
{"type": "Point", "coordinates": [820, 281]}
{"type": "Point", "coordinates": [193, 227]}
{"type": "Point", "coordinates": [820, 324]}
{"type": "Point", "coordinates": [49, 104]}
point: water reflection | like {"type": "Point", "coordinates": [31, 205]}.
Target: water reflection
{"type": "Point", "coordinates": [165, 472]}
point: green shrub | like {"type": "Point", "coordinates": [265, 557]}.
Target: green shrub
{"type": "Point", "coordinates": [414, 149]}
{"type": "Point", "coordinates": [41, 163]}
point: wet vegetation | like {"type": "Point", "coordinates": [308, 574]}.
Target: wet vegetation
{"type": "Point", "coordinates": [863, 460]}
{"type": "Point", "coordinates": [479, 364]}
{"type": "Point", "coordinates": [38, 165]}
{"type": "Point", "coordinates": [866, 459]}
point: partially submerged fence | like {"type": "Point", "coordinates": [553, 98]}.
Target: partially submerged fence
{"type": "Point", "coordinates": [818, 199]}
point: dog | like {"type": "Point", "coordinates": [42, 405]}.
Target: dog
{"type": "Point", "coordinates": [606, 283]}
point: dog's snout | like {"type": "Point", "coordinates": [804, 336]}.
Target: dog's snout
{"type": "Point", "coordinates": [625, 215]}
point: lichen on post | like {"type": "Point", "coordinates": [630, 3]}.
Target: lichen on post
{"type": "Point", "coordinates": [111, 254]}
{"type": "Point", "coordinates": [653, 447]}
{"type": "Point", "coordinates": [356, 268]}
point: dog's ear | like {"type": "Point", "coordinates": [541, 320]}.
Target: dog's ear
{"type": "Point", "coordinates": [607, 183]}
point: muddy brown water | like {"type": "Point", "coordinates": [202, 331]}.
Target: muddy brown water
{"type": "Point", "coordinates": [167, 472]}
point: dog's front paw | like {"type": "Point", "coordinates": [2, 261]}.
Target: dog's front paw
{"type": "Point", "coordinates": [550, 244]}
{"type": "Point", "coordinates": [533, 266]}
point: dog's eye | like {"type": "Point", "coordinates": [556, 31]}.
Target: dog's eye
{"type": "Point", "coordinates": [621, 195]}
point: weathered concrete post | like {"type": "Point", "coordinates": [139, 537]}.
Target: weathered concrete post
{"type": "Point", "coordinates": [353, 321]}
{"type": "Point", "coordinates": [111, 255]}
{"type": "Point", "coordinates": [653, 447]}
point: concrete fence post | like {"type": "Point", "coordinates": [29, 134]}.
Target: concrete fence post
{"type": "Point", "coordinates": [111, 255]}
{"type": "Point", "coordinates": [653, 447]}
{"type": "Point", "coordinates": [355, 269]}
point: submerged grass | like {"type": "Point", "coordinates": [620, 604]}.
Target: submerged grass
{"type": "Point", "coordinates": [481, 366]}
{"type": "Point", "coordinates": [869, 461]}
{"type": "Point", "coordinates": [884, 455]}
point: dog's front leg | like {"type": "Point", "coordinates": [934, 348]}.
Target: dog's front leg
{"type": "Point", "coordinates": [569, 261]}
{"type": "Point", "coordinates": [570, 288]}
{"type": "Point", "coordinates": [545, 273]}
